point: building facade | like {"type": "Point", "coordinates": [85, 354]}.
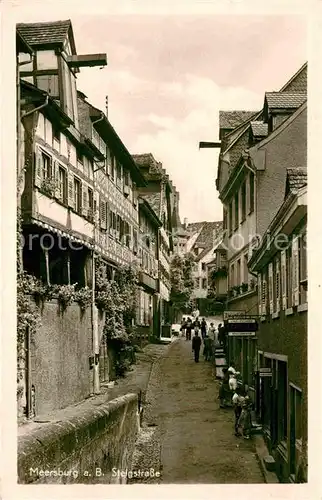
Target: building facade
{"type": "Point", "coordinates": [252, 169]}
{"type": "Point", "coordinates": [281, 266]}
{"type": "Point", "coordinates": [158, 192]}
{"type": "Point", "coordinates": [79, 202]}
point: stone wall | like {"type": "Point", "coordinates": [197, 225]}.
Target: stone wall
{"type": "Point", "coordinates": [89, 447]}
{"type": "Point", "coordinates": [60, 351]}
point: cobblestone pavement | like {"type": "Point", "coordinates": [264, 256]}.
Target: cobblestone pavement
{"type": "Point", "coordinates": [185, 435]}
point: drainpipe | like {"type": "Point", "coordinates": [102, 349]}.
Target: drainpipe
{"type": "Point", "coordinates": [99, 119]}
{"type": "Point", "coordinates": [95, 333]}
{"type": "Point", "coordinates": [37, 109]}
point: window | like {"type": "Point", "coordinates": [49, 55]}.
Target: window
{"type": "Point", "coordinates": [236, 210]}
{"type": "Point", "coordinates": [49, 83]}
{"type": "Point", "coordinates": [46, 59]}
{"type": "Point", "coordinates": [232, 275]}
{"type": "Point", "coordinates": [203, 266]}
{"type": "Point", "coordinates": [56, 137]}
{"type": "Point", "coordinates": [79, 155]}
{"type": "Point", "coordinates": [46, 166]}
{"type": "Point", "coordinates": [118, 173]}
{"type": "Point", "coordinates": [112, 167]}
{"type": "Point", "coordinates": [238, 272]}
{"type": "Point", "coordinates": [289, 277]}
{"type": "Point", "coordinates": [204, 283]}
{"type": "Point", "coordinates": [245, 269]}
{"type": "Point", "coordinates": [90, 199]}
{"type": "Point", "coordinates": [230, 217]}
{"type": "Point", "coordinates": [77, 195]}
{"type": "Point", "coordinates": [62, 181]}
{"type": "Point", "coordinates": [118, 226]}
{"type": "Point", "coordinates": [243, 202]}
{"type": "Point", "coordinates": [126, 178]}
{"type": "Point", "coordinates": [251, 192]}
{"type": "Point", "coordinates": [302, 266]}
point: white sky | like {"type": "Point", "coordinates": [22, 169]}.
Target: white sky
{"type": "Point", "coordinates": [169, 75]}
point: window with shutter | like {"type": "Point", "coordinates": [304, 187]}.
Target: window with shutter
{"type": "Point", "coordinates": [270, 287]}
{"type": "Point", "coordinates": [71, 198]}
{"type": "Point", "coordinates": [264, 295]}
{"type": "Point", "coordinates": [277, 285]}
{"type": "Point", "coordinates": [259, 285]}
{"type": "Point", "coordinates": [103, 221]}
{"type": "Point", "coordinates": [295, 274]}
{"type": "Point", "coordinates": [85, 200]}
{"type": "Point", "coordinates": [38, 167]}
{"type": "Point", "coordinates": [111, 223]}
{"type": "Point", "coordinates": [135, 241]}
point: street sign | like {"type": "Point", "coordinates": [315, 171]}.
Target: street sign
{"type": "Point", "coordinates": [244, 320]}
{"type": "Point", "coordinates": [234, 314]}
{"type": "Point", "coordinates": [265, 372]}
{"type": "Point", "coordinates": [241, 334]}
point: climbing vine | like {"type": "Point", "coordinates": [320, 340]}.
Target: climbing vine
{"type": "Point", "coordinates": [117, 298]}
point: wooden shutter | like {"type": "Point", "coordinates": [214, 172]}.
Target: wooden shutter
{"type": "Point", "coordinates": [103, 221]}
{"type": "Point", "coordinates": [295, 273]}
{"type": "Point", "coordinates": [284, 278]}
{"type": "Point", "coordinates": [135, 241]}
{"type": "Point", "coordinates": [96, 207]}
{"type": "Point", "coordinates": [278, 286]}
{"type": "Point", "coordinates": [85, 199]}
{"type": "Point", "coordinates": [270, 287]}
{"type": "Point", "coordinates": [55, 176]}
{"type": "Point", "coordinates": [264, 295]}
{"type": "Point", "coordinates": [111, 223]}
{"type": "Point", "coordinates": [259, 284]}
{"type": "Point", "coordinates": [70, 194]}
{"type": "Point", "coordinates": [38, 167]}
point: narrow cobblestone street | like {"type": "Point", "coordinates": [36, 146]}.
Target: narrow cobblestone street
{"type": "Point", "coordinates": [185, 433]}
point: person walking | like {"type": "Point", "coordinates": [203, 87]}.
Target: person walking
{"type": "Point", "coordinates": [207, 347]}
{"type": "Point", "coordinates": [188, 329]}
{"type": "Point", "coordinates": [183, 326]}
{"type": "Point", "coordinates": [224, 388]}
{"type": "Point", "coordinates": [196, 344]}
{"type": "Point", "coordinates": [221, 334]}
{"type": "Point", "coordinates": [203, 327]}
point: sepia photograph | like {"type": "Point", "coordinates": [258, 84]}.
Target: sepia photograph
{"type": "Point", "coordinates": [162, 284]}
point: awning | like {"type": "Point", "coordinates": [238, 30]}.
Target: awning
{"type": "Point", "coordinates": [63, 234]}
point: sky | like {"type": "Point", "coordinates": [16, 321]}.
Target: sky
{"type": "Point", "coordinates": [169, 75]}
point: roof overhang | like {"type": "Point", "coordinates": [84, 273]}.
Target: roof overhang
{"type": "Point", "coordinates": [106, 130]}
{"type": "Point", "coordinates": [148, 210]}
{"type": "Point", "coordinates": [287, 219]}
{"type": "Point", "coordinates": [22, 45]}
{"type": "Point", "coordinates": [38, 97]}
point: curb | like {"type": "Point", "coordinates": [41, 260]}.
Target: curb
{"type": "Point", "coordinates": [261, 452]}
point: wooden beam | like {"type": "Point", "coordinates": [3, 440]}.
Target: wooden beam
{"type": "Point", "coordinates": [209, 145]}
{"type": "Point", "coordinates": [80, 61]}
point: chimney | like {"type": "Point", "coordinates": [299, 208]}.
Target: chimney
{"type": "Point", "coordinates": [185, 222]}
{"type": "Point", "coordinates": [106, 106]}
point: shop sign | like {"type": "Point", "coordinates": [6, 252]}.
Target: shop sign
{"type": "Point", "coordinates": [241, 334]}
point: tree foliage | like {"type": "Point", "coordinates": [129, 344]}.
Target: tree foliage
{"type": "Point", "coordinates": [181, 282]}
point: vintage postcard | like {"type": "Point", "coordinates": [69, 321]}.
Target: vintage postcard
{"type": "Point", "coordinates": [161, 248]}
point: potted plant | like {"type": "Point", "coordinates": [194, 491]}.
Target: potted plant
{"type": "Point", "coordinates": [252, 284]}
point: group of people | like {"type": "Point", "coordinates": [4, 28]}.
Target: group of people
{"type": "Point", "coordinates": [188, 325]}
{"type": "Point", "coordinates": [233, 387]}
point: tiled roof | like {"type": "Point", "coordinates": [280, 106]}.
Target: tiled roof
{"type": "Point", "coordinates": [285, 99]}
{"type": "Point", "coordinates": [207, 235]}
{"type": "Point", "coordinates": [195, 226]}
{"type": "Point", "coordinates": [232, 119]}
{"type": "Point", "coordinates": [296, 178]}
{"type": "Point", "coordinates": [43, 33]}
{"type": "Point", "coordinates": [152, 169]}
{"type": "Point", "coordinates": [154, 200]}
{"type": "Point", "coordinates": [259, 129]}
